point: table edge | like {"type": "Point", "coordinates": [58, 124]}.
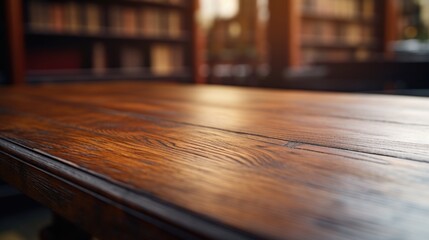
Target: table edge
{"type": "Point", "coordinates": [161, 216]}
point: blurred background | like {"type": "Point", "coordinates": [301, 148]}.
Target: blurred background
{"type": "Point", "coordinates": [337, 45]}
{"type": "Point", "coordinates": [372, 46]}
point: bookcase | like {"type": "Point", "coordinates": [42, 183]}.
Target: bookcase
{"type": "Point", "coordinates": [308, 32]}
{"type": "Point", "coordinates": [68, 40]}
{"type": "Point", "coordinates": [339, 30]}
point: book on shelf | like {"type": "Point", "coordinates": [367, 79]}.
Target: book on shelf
{"type": "Point", "coordinates": [368, 35]}
{"type": "Point", "coordinates": [92, 18]}
{"type": "Point", "coordinates": [331, 8]}
{"type": "Point", "coordinates": [362, 54]}
{"type": "Point", "coordinates": [129, 21]}
{"type": "Point", "coordinates": [352, 34]}
{"type": "Point", "coordinates": [72, 21]}
{"type": "Point", "coordinates": [99, 58]}
{"type": "Point", "coordinates": [148, 21]}
{"type": "Point", "coordinates": [160, 60]}
{"type": "Point", "coordinates": [35, 16]}
{"type": "Point", "coordinates": [330, 34]}
{"type": "Point", "coordinates": [174, 24]}
{"type": "Point", "coordinates": [338, 56]}
{"type": "Point", "coordinates": [145, 18]}
{"type": "Point", "coordinates": [131, 59]}
{"type": "Point", "coordinates": [64, 17]}
{"type": "Point", "coordinates": [162, 19]}
{"type": "Point", "coordinates": [150, 24]}
{"type": "Point", "coordinates": [173, 2]}
{"type": "Point", "coordinates": [114, 15]}
{"type": "Point", "coordinates": [44, 59]}
{"type": "Point", "coordinates": [56, 13]}
{"type": "Point", "coordinates": [368, 9]}
{"type": "Point", "coordinates": [166, 59]}
{"type": "Point", "coordinates": [80, 17]}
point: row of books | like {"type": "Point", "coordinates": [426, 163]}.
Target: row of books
{"type": "Point", "coordinates": [79, 17]}
{"type": "Point", "coordinates": [328, 33]}
{"type": "Point", "coordinates": [340, 8]}
{"type": "Point", "coordinates": [164, 60]}
{"type": "Point", "coordinates": [173, 2]}
{"type": "Point", "coordinates": [145, 21]}
{"type": "Point", "coordinates": [310, 55]}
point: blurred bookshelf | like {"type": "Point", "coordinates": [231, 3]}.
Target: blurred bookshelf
{"type": "Point", "coordinates": [334, 30]}
{"type": "Point", "coordinates": [318, 35]}
{"type": "Point", "coordinates": [341, 30]}
{"type": "Point", "coordinates": [72, 40]}
{"type": "Point", "coordinates": [261, 42]}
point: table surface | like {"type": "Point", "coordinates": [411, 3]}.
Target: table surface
{"type": "Point", "coordinates": [158, 160]}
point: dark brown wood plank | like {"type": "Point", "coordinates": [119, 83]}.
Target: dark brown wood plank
{"type": "Point", "coordinates": [76, 195]}
{"type": "Point", "coordinates": [362, 123]}
{"type": "Point", "coordinates": [261, 185]}
{"type": "Point", "coordinates": [360, 106]}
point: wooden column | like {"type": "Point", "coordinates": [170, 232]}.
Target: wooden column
{"type": "Point", "coordinates": [197, 44]}
{"type": "Point", "coordinates": [15, 32]}
{"type": "Point", "coordinates": [390, 26]}
{"type": "Point", "coordinates": [283, 38]}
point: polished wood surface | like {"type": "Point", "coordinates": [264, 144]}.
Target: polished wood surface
{"type": "Point", "coordinates": [155, 160]}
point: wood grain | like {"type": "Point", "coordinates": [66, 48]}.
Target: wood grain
{"type": "Point", "coordinates": [365, 124]}
{"type": "Point", "coordinates": [222, 162]}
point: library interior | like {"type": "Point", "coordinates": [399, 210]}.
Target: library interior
{"type": "Point", "coordinates": [233, 86]}
{"type": "Point", "coordinates": [337, 45]}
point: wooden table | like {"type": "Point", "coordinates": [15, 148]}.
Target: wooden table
{"type": "Point", "coordinates": [136, 160]}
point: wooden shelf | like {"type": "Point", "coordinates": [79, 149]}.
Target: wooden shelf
{"type": "Point", "coordinates": [341, 20]}
{"type": "Point", "coordinates": [89, 75]}
{"type": "Point", "coordinates": [333, 46]}
{"type": "Point", "coordinates": [135, 3]}
{"type": "Point", "coordinates": [152, 4]}
{"type": "Point", "coordinates": [102, 36]}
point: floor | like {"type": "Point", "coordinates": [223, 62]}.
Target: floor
{"type": "Point", "coordinates": [20, 217]}
{"type": "Point", "coordinates": [24, 225]}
